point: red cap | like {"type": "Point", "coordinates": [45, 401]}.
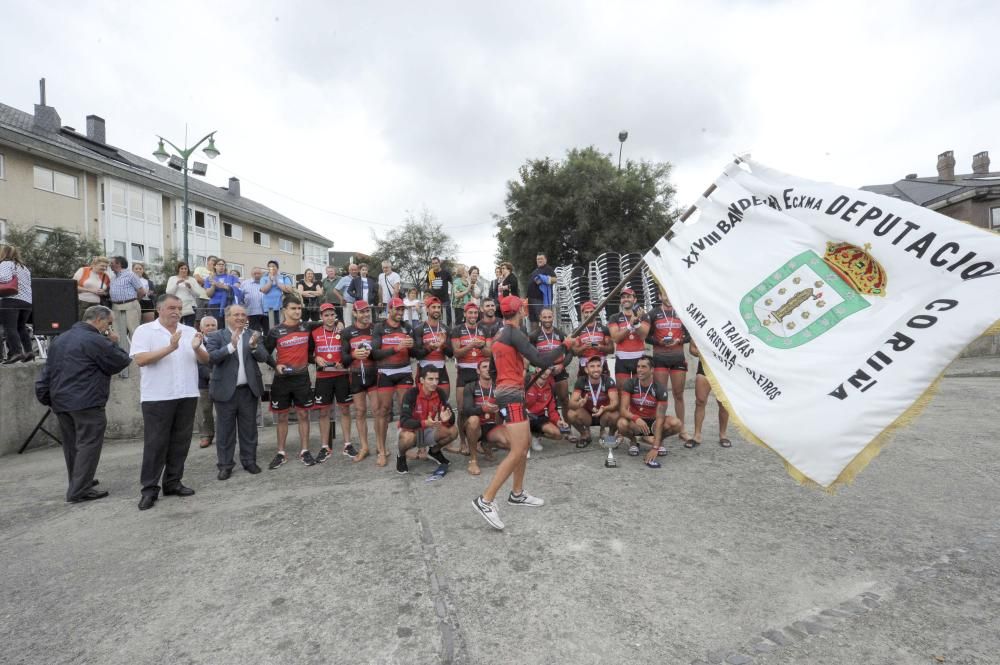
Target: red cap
{"type": "Point", "coordinates": [395, 302]}
{"type": "Point", "coordinates": [431, 300]}
{"type": "Point", "coordinates": [628, 291]}
{"type": "Point", "coordinates": [326, 307]}
{"type": "Point", "coordinates": [588, 305]}
{"type": "Point", "coordinates": [510, 304]}
{"type": "Point", "coordinates": [360, 305]}
{"type": "Point", "coordinates": [470, 305]}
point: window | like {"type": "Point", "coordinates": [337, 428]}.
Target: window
{"type": "Point", "coordinates": [3, 228]}
{"type": "Point", "coordinates": [314, 256]}
{"type": "Point", "coordinates": [285, 245]}
{"type": "Point", "coordinates": [262, 239]}
{"type": "Point", "coordinates": [237, 267]}
{"type": "Point", "coordinates": [2, 172]}
{"type": "Point", "coordinates": [995, 218]}
{"type": "Point", "coordinates": [119, 248]}
{"type": "Point", "coordinates": [56, 182]}
{"type": "Point", "coordinates": [199, 221]}
{"type": "Point", "coordinates": [234, 231]}
{"type": "Point", "coordinates": [138, 252]}
{"type": "Point", "coordinates": [200, 260]}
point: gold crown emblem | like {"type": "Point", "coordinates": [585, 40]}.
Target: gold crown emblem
{"type": "Point", "coordinates": [857, 267]}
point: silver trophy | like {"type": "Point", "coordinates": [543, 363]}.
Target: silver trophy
{"type": "Point", "coordinates": [610, 443]}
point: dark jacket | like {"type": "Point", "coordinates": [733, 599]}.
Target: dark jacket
{"type": "Point", "coordinates": [356, 288]}
{"type": "Point", "coordinates": [77, 374]}
{"type": "Point", "coordinates": [226, 366]}
{"type": "Point", "coordinates": [534, 288]}
{"type": "Point", "coordinates": [441, 292]}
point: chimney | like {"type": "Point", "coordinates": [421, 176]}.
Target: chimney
{"type": "Point", "coordinates": [911, 176]}
{"type": "Point", "coordinates": [95, 129]}
{"type": "Point", "coordinates": [46, 118]}
{"type": "Point", "coordinates": [946, 165]}
{"type": "Point", "coordinates": [981, 162]}
{"type": "Point", "coordinates": [234, 186]}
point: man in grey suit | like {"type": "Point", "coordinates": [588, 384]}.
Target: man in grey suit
{"type": "Point", "coordinates": [235, 388]}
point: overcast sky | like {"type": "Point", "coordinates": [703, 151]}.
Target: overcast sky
{"type": "Point", "coordinates": [344, 116]}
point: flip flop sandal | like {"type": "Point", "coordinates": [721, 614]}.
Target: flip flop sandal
{"type": "Point", "coordinates": [661, 451]}
{"type": "Point", "coordinates": [725, 443]}
{"type": "Point", "coordinates": [633, 451]}
{"type": "Point", "coordinates": [653, 464]}
{"type": "Point", "coordinates": [583, 443]}
{"type": "Point", "coordinates": [691, 443]}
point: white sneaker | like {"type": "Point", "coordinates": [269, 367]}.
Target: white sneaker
{"type": "Point", "coordinates": [524, 499]}
{"type": "Point", "coordinates": [488, 509]}
{"type": "Point", "coordinates": [536, 445]}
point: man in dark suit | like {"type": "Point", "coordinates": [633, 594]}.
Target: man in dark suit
{"type": "Point", "coordinates": [364, 287]}
{"type": "Point", "coordinates": [235, 388]}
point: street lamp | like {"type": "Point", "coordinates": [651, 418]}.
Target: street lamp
{"type": "Point", "coordinates": [622, 136]}
{"type": "Point", "coordinates": [162, 155]}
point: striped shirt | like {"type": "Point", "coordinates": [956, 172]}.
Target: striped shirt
{"type": "Point", "coordinates": [125, 286]}
{"type": "Point", "coordinates": [9, 270]}
{"type": "Point", "coordinates": [253, 299]}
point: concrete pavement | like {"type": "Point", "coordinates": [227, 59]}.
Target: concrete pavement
{"type": "Point", "coordinates": [718, 557]}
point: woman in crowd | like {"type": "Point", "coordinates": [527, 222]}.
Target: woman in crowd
{"type": "Point", "coordinates": [147, 304]}
{"type": "Point", "coordinates": [223, 290]}
{"type": "Point", "coordinates": [185, 286]}
{"type": "Point", "coordinates": [414, 307]}
{"type": "Point", "coordinates": [15, 305]}
{"type": "Point", "coordinates": [312, 294]}
{"type": "Point", "coordinates": [477, 288]}
{"type": "Point", "coordinates": [459, 293]}
{"type": "Point", "coordinates": [702, 389]}
{"type": "Point", "coordinates": [92, 284]}
{"type": "Point", "coordinates": [507, 284]}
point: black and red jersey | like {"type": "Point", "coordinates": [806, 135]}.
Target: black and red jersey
{"type": "Point", "coordinates": [540, 400]}
{"type": "Point", "coordinates": [476, 395]}
{"type": "Point", "coordinates": [634, 344]}
{"type": "Point", "coordinates": [666, 332]}
{"type": "Point", "coordinates": [594, 395]}
{"type": "Point", "coordinates": [329, 345]}
{"type": "Point", "coordinates": [358, 338]}
{"type": "Point", "coordinates": [491, 328]}
{"type": "Point", "coordinates": [424, 335]}
{"type": "Point", "coordinates": [389, 355]}
{"type": "Point", "coordinates": [462, 336]}
{"type": "Point", "coordinates": [418, 407]}
{"type": "Point", "coordinates": [293, 344]}
{"type": "Point", "coordinates": [592, 337]}
{"type": "Point", "coordinates": [546, 340]}
{"type": "Point", "coordinates": [510, 348]}
{"type": "Point", "coordinates": [643, 400]}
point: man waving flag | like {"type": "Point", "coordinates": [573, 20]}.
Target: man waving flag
{"type": "Point", "coordinates": [825, 314]}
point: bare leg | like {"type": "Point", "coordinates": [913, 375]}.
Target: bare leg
{"type": "Point", "coordinates": [282, 430]}
{"type": "Point", "coordinates": [303, 418]}
{"type": "Point", "coordinates": [361, 423]}
{"type": "Point", "coordinates": [701, 391]}
{"type": "Point", "coordinates": [345, 421]}
{"type": "Point", "coordinates": [677, 380]}
{"type": "Point", "coordinates": [383, 403]}
{"type": "Point", "coordinates": [473, 434]}
{"type": "Point", "coordinates": [562, 397]}
{"type": "Point", "coordinates": [324, 428]}
{"type": "Point", "coordinates": [519, 438]}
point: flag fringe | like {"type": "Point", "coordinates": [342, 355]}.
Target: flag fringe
{"type": "Point", "coordinates": [867, 454]}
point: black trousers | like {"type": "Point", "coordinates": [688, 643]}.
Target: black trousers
{"type": "Point", "coordinates": [166, 434]}
{"type": "Point", "coordinates": [14, 315]}
{"type": "Point", "coordinates": [82, 439]}
{"type": "Point", "coordinates": [237, 416]}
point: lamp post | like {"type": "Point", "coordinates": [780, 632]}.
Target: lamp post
{"type": "Point", "coordinates": [622, 136]}
{"type": "Point", "coordinates": [162, 155]}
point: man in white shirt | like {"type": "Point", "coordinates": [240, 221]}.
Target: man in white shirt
{"type": "Point", "coordinates": [168, 353]}
{"type": "Point", "coordinates": [236, 387]}
{"type": "Point", "coordinates": [388, 286]}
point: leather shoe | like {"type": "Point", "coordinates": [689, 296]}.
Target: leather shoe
{"type": "Point", "coordinates": [225, 473]}
{"type": "Point", "coordinates": [180, 490]}
{"type": "Point", "coordinates": [89, 495]}
{"type": "Point", "coordinates": [16, 358]}
{"type": "Point", "coordinates": [95, 482]}
{"type": "Point", "coordinates": [147, 502]}
{"type": "Point", "coordinates": [253, 468]}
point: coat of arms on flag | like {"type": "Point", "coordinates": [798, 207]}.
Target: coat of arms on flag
{"type": "Point", "coordinates": [809, 295]}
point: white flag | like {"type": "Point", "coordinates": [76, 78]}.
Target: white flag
{"type": "Point", "coordinates": [825, 314]}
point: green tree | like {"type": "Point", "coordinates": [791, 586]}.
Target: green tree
{"type": "Point", "coordinates": [576, 209]}
{"type": "Point", "coordinates": [56, 253]}
{"type": "Point", "coordinates": [411, 247]}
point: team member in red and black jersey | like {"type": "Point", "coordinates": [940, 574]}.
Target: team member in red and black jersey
{"type": "Point", "coordinates": [480, 411]}
{"type": "Point", "coordinates": [364, 376]}
{"type": "Point", "coordinates": [469, 344]}
{"type": "Point", "coordinates": [643, 412]}
{"type": "Point", "coordinates": [545, 338]}
{"type": "Point", "coordinates": [667, 335]}
{"type": "Point", "coordinates": [488, 318]}
{"type": "Point", "coordinates": [425, 420]}
{"type": "Point", "coordinates": [292, 343]}
{"type": "Point", "coordinates": [594, 402]}
{"type": "Point", "coordinates": [543, 416]}
{"type": "Point", "coordinates": [392, 341]}
{"type": "Point", "coordinates": [432, 345]}
{"type": "Point", "coordinates": [628, 328]}
{"type": "Point", "coordinates": [332, 379]}
{"type": "Point", "coordinates": [594, 340]}
{"type": "Point", "coordinates": [510, 347]}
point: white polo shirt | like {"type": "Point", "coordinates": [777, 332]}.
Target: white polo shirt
{"type": "Point", "coordinates": [174, 376]}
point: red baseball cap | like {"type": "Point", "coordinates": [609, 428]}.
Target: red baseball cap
{"type": "Point", "coordinates": [510, 304]}
{"type": "Point", "coordinates": [360, 305]}
{"type": "Point", "coordinates": [395, 302]}
{"type": "Point", "coordinates": [325, 307]}
{"type": "Point", "coordinates": [628, 291]}
{"type": "Point", "coordinates": [470, 305]}
{"type": "Point", "coordinates": [588, 305]}
{"type": "Point", "coordinates": [431, 300]}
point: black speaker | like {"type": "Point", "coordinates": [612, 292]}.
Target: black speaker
{"type": "Point", "coordinates": [53, 305]}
